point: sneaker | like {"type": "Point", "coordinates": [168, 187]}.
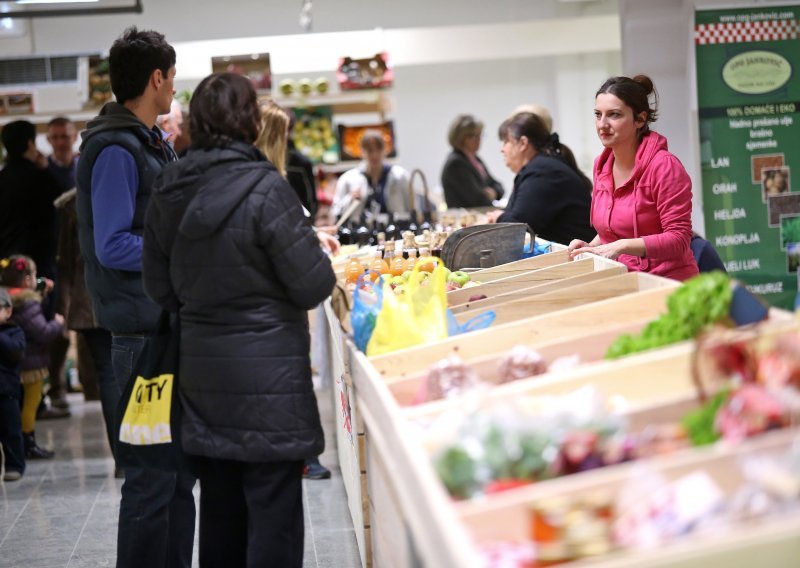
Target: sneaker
{"type": "Point", "coordinates": [59, 402]}
{"type": "Point", "coordinates": [53, 413]}
{"type": "Point", "coordinates": [316, 471]}
{"type": "Point", "coordinates": [12, 476]}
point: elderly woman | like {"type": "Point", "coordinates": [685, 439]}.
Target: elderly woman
{"type": "Point", "coordinates": [466, 181]}
{"type": "Point", "coordinates": [227, 245]}
{"type": "Point", "coordinates": [550, 193]}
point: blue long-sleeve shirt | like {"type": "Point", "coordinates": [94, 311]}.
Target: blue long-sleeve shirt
{"type": "Point", "coordinates": [115, 181]}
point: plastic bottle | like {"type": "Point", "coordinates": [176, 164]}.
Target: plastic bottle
{"type": "Point", "coordinates": [412, 258]}
{"type": "Point", "coordinates": [378, 264]}
{"type": "Point", "coordinates": [382, 243]}
{"type": "Point", "coordinates": [425, 260]}
{"type": "Point", "coordinates": [395, 261]}
{"type": "Point", "coordinates": [353, 270]}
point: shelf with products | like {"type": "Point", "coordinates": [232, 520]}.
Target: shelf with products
{"type": "Point", "coordinates": [353, 102]}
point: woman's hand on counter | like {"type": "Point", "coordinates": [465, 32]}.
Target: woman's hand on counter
{"type": "Point", "coordinates": [612, 250]}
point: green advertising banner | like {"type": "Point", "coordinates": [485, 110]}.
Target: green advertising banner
{"type": "Point", "coordinates": [748, 91]}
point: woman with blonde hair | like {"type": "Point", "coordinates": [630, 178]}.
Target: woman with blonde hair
{"type": "Point", "coordinates": [273, 136]}
{"type": "Point", "coordinates": [273, 141]}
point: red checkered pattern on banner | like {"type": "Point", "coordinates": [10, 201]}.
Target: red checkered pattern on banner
{"type": "Point", "coordinates": [742, 32]}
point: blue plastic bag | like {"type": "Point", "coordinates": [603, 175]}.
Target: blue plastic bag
{"type": "Point", "coordinates": [481, 321]}
{"type": "Point", "coordinates": [365, 309]}
{"type": "Point", "coordinates": [535, 249]}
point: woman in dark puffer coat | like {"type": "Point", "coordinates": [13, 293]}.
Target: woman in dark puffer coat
{"type": "Point", "coordinates": [226, 241]}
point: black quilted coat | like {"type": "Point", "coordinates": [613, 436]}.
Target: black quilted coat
{"type": "Point", "coordinates": [227, 242]}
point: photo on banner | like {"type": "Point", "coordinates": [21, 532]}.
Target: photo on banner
{"type": "Point", "coordinates": [749, 123]}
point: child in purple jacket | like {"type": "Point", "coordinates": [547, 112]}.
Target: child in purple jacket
{"type": "Point", "coordinates": [19, 275]}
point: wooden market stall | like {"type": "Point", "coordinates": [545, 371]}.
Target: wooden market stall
{"type": "Point", "coordinates": [402, 513]}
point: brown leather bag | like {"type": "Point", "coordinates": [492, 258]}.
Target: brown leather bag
{"type": "Point", "coordinates": [484, 246]}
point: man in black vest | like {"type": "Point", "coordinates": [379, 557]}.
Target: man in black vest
{"type": "Point", "coordinates": [121, 154]}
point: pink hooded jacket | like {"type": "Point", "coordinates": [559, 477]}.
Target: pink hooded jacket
{"type": "Point", "coordinates": [655, 204]}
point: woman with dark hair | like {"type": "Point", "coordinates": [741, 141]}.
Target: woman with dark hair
{"type": "Point", "coordinates": [550, 193]}
{"type": "Point", "coordinates": [465, 178]}
{"type": "Point", "coordinates": [228, 246]}
{"type": "Point", "coordinates": [642, 202]}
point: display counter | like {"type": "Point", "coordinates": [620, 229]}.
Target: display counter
{"type": "Point", "coordinates": [402, 512]}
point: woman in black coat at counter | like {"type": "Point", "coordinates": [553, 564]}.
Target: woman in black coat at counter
{"type": "Point", "coordinates": [550, 193]}
{"type": "Point", "coordinates": [465, 179]}
{"type": "Point", "coordinates": [226, 242]}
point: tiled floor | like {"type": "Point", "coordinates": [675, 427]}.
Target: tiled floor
{"type": "Point", "coordinates": [63, 513]}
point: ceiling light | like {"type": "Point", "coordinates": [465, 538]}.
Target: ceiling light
{"type": "Point", "coordinates": [53, 1]}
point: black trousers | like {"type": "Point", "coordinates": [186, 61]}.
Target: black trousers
{"type": "Point", "coordinates": [11, 433]}
{"type": "Point", "coordinates": [251, 514]}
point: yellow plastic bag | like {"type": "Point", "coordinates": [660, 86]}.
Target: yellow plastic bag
{"type": "Point", "coordinates": [415, 317]}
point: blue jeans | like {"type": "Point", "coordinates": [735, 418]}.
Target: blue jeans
{"type": "Point", "coordinates": [99, 343]}
{"type": "Point", "coordinates": [11, 433]}
{"type": "Point", "coordinates": [156, 513]}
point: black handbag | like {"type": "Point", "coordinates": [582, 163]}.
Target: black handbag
{"type": "Point", "coordinates": [149, 411]}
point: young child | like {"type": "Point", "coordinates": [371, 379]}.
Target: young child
{"type": "Point", "coordinates": [12, 348]}
{"type": "Point", "coordinates": [19, 275]}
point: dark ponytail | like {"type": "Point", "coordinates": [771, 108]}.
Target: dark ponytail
{"type": "Point", "coordinates": [539, 136]}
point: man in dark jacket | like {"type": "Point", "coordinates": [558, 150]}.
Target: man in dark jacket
{"type": "Point", "coordinates": [27, 192]}
{"type": "Point", "coordinates": [12, 348]}
{"type": "Point", "coordinates": [121, 154]}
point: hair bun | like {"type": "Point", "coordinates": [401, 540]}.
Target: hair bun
{"type": "Point", "coordinates": [646, 83]}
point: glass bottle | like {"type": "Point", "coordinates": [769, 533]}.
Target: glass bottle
{"type": "Point", "coordinates": [362, 234]}
{"type": "Point", "coordinates": [391, 229]}
{"type": "Point", "coordinates": [408, 243]}
{"type": "Point", "coordinates": [345, 234]}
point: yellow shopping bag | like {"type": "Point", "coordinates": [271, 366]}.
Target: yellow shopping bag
{"type": "Point", "coordinates": [415, 317]}
{"type": "Point", "coordinates": [147, 416]}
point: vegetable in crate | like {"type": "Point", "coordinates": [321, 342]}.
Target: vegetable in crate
{"type": "Point", "coordinates": [458, 472]}
{"type": "Point", "coordinates": [699, 302]}
{"type": "Point", "coordinates": [448, 378]}
{"type": "Point", "coordinates": [520, 363]}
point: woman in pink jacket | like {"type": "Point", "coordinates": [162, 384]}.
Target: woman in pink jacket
{"type": "Point", "coordinates": [642, 199]}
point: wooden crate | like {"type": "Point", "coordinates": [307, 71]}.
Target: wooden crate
{"type": "Point", "coordinates": [573, 322]}
{"type": "Point", "coordinates": [589, 348]}
{"type": "Point", "coordinates": [411, 520]}
{"type": "Point", "coordinates": [645, 379]}
{"type": "Point", "coordinates": [593, 270]}
{"type": "Point", "coordinates": [409, 489]}
{"type": "Point", "coordinates": [518, 280]}
{"type": "Point", "coordinates": [521, 266]}
{"type": "Point", "coordinates": [350, 435]}
{"type": "Point", "coordinates": [570, 295]}
{"type": "Point", "coordinates": [506, 516]}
